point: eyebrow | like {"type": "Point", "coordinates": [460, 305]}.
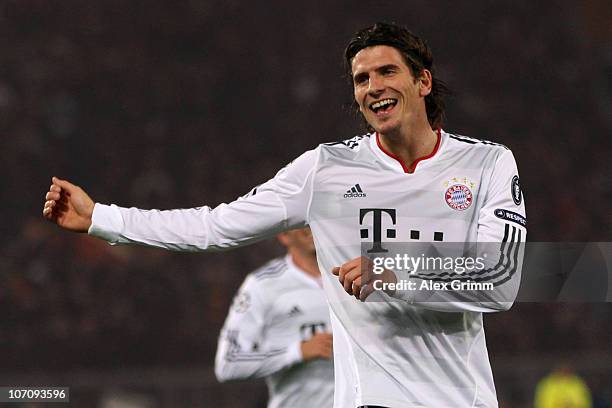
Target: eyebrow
{"type": "Point", "coordinates": [385, 67]}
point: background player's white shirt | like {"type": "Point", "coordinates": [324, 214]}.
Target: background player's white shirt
{"type": "Point", "coordinates": [277, 307]}
{"type": "Point", "coordinates": [415, 353]}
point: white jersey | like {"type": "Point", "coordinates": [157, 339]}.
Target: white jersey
{"type": "Point", "coordinates": [277, 307]}
{"type": "Point", "coordinates": [410, 353]}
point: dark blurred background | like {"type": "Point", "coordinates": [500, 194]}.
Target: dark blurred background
{"type": "Point", "coordinates": [183, 103]}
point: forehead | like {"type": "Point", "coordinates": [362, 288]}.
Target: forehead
{"type": "Point", "coordinates": [371, 58]}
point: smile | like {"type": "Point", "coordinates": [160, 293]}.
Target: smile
{"type": "Point", "coordinates": [384, 105]}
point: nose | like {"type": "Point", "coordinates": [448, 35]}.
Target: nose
{"type": "Point", "coordinates": [376, 85]}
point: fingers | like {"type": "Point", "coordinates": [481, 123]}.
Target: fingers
{"type": "Point", "coordinates": [319, 346]}
{"type": "Point", "coordinates": [366, 290]}
{"type": "Point", "coordinates": [326, 339]}
{"type": "Point", "coordinates": [52, 198]}
{"type": "Point", "coordinates": [322, 338]}
{"type": "Point", "coordinates": [328, 352]}
{"type": "Point", "coordinates": [326, 345]}
{"type": "Point", "coordinates": [340, 271]}
{"type": "Point", "coordinates": [52, 195]}
{"type": "Point", "coordinates": [342, 276]}
{"type": "Point", "coordinates": [56, 200]}
{"type": "Point", "coordinates": [356, 288]}
{"type": "Point", "coordinates": [345, 279]}
{"type": "Point", "coordinates": [350, 280]}
{"type": "Point", "coordinates": [349, 275]}
{"type": "Point", "coordinates": [50, 210]}
{"type": "Point", "coordinates": [63, 184]}
{"type": "Point", "coordinates": [346, 275]}
{"type": "Point", "coordinates": [49, 204]}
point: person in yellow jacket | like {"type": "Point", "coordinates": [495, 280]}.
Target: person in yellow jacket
{"type": "Point", "coordinates": [562, 389]}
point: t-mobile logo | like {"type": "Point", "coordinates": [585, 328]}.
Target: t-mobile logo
{"type": "Point", "coordinates": [308, 330]}
{"type": "Point", "coordinates": [377, 215]}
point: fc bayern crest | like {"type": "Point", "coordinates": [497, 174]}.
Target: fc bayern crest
{"type": "Point", "coordinates": [458, 197]}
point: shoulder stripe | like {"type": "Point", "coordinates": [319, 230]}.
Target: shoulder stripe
{"type": "Point", "coordinates": [462, 140]}
{"type": "Point", "coordinates": [273, 269]}
{"type": "Point", "coordinates": [350, 143]}
{"type": "Point", "coordinates": [471, 140]}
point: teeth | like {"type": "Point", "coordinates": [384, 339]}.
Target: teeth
{"type": "Point", "coordinates": [382, 103]}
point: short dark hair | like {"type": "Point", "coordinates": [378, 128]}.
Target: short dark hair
{"type": "Point", "coordinates": [416, 54]}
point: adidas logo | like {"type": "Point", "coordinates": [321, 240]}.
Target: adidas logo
{"type": "Point", "coordinates": [354, 191]}
{"type": "Point", "coordinates": [294, 311]}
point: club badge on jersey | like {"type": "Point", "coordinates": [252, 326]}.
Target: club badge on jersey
{"type": "Point", "coordinates": [458, 194]}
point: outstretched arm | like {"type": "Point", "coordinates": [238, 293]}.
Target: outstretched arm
{"type": "Point", "coordinates": [68, 206]}
{"type": "Point", "coordinates": [277, 205]}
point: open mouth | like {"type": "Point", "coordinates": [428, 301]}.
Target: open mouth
{"type": "Point", "coordinates": [384, 105]}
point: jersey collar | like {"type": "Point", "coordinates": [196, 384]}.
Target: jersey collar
{"type": "Point", "coordinates": [394, 162]}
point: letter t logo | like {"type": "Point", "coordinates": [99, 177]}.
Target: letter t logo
{"type": "Point", "coordinates": [377, 217]}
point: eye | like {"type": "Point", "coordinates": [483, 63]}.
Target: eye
{"type": "Point", "coordinates": [388, 71]}
{"type": "Point", "coordinates": [360, 79]}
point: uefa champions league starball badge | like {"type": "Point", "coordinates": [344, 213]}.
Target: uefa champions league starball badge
{"type": "Point", "coordinates": [459, 196]}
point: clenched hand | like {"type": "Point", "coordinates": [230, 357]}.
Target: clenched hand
{"type": "Point", "coordinates": [319, 346]}
{"type": "Point", "coordinates": [68, 206]}
{"type": "Point", "coordinates": [357, 276]}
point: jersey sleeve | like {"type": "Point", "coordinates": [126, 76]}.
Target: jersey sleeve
{"type": "Point", "coordinates": [279, 204]}
{"type": "Point", "coordinates": [502, 232]}
{"type": "Point", "coordinates": [241, 352]}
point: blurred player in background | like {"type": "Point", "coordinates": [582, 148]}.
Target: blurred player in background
{"type": "Point", "coordinates": [278, 328]}
{"type": "Point", "coordinates": [562, 388]}
{"type": "Point", "coordinates": [409, 181]}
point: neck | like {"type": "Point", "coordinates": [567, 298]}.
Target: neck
{"type": "Point", "coordinates": [410, 145]}
{"type": "Point", "coordinates": [305, 261]}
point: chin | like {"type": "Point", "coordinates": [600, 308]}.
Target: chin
{"type": "Point", "coordinates": [387, 129]}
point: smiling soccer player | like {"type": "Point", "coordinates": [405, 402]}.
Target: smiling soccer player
{"type": "Point", "coordinates": [408, 180]}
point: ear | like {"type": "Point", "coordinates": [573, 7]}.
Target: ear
{"type": "Point", "coordinates": [425, 83]}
